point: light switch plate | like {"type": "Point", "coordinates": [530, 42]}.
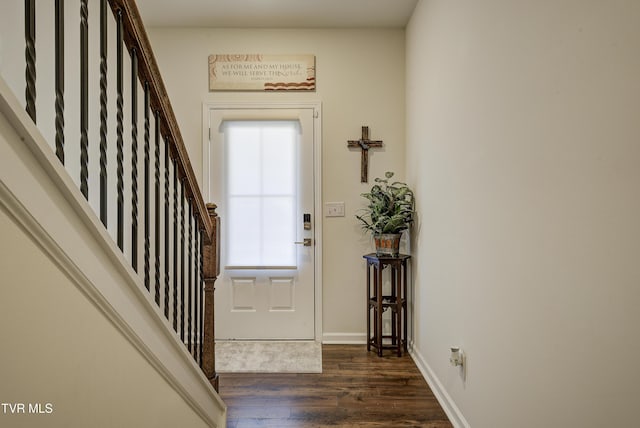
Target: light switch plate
{"type": "Point", "coordinates": [334, 209]}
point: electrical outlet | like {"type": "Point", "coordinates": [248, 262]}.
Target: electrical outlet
{"type": "Point", "coordinates": [334, 209]}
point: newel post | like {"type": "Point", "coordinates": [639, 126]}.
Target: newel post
{"type": "Point", "coordinates": [211, 271]}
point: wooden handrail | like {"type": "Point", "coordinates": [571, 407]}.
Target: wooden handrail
{"type": "Point", "coordinates": [135, 36]}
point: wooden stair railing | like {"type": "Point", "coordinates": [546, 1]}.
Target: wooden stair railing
{"type": "Point", "coordinates": [185, 233]}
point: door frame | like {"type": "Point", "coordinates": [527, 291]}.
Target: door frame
{"type": "Point", "coordinates": [317, 178]}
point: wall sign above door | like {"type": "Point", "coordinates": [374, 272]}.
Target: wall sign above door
{"type": "Point", "coordinates": [262, 72]}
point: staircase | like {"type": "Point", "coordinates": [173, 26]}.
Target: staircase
{"type": "Point", "coordinates": [109, 253]}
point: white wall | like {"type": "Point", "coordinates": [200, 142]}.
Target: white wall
{"type": "Point", "coordinates": [360, 81]}
{"type": "Point", "coordinates": [12, 46]}
{"type": "Point", "coordinates": [523, 145]}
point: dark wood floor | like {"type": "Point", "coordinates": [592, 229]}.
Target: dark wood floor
{"type": "Point", "coordinates": [356, 389]}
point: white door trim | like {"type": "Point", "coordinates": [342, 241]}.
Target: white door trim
{"type": "Point", "coordinates": [317, 173]}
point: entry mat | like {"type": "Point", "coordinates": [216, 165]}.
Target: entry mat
{"type": "Point", "coordinates": [238, 356]}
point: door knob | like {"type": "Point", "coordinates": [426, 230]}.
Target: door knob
{"type": "Point", "coordinates": [306, 242]}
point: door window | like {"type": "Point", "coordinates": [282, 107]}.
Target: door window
{"type": "Point", "coordinates": [261, 193]}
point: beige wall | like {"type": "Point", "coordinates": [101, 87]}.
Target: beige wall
{"type": "Point", "coordinates": [523, 145]}
{"type": "Point", "coordinates": [68, 354]}
{"type": "Point", "coordinates": [360, 81]}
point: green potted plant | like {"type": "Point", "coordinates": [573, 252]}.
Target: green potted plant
{"type": "Point", "coordinates": [390, 211]}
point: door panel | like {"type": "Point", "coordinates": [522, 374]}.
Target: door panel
{"type": "Point", "coordinates": [266, 287]}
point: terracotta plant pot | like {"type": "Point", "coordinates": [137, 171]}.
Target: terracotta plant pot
{"type": "Point", "coordinates": [388, 244]}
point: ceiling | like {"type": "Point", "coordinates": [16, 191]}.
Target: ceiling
{"type": "Point", "coordinates": [277, 13]}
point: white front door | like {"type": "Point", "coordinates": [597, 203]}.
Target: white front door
{"type": "Point", "coordinates": [261, 176]}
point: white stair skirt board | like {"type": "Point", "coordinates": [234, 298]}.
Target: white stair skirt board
{"type": "Point", "coordinates": [237, 356]}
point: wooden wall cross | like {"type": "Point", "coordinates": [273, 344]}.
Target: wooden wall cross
{"type": "Point", "coordinates": [364, 144]}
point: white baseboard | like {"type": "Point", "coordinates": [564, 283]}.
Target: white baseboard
{"type": "Point", "coordinates": [453, 412]}
{"type": "Point", "coordinates": [344, 338]}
